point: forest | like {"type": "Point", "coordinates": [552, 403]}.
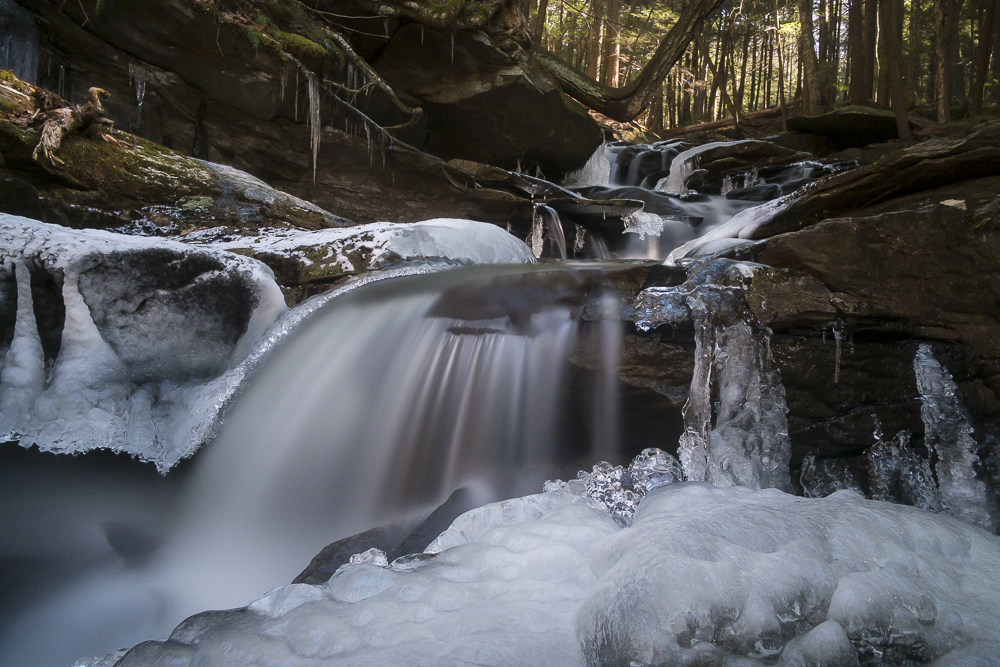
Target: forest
{"type": "Point", "coordinates": [932, 57]}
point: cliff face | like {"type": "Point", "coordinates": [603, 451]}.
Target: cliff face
{"type": "Point", "coordinates": [270, 88]}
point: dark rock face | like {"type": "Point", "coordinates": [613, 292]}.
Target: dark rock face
{"type": "Point", "coordinates": [485, 104]}
{"type": "Point", "coordinates": [216, 90]}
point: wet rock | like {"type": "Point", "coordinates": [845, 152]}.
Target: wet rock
{"type": "Point", "coordinates": [934, 269]}
{"type": "Point", "coordinates": [397, 539]}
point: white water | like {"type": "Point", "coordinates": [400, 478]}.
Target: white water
{"type": "Point", "coordinates": [372, 410]}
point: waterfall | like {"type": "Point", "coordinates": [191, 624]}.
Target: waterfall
{"type": "Point", "coordinates": [378, 406]}
{"type": "Point", "coordinates": [683, 165]}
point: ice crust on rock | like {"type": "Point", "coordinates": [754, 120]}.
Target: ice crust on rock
{"type": "Point", "coordinates": [728, 576]}
{"type": "Point", "coordinates": [143, 326]}
{"type": "Point", "coordinates": [379, 244]}
{"type": "Point", "coordinates": [719, 574]}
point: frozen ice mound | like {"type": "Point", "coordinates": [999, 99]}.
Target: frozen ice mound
{"type": "Point", "coordinates": [711, 575]}
{"type": "Point", "coordinates": [503, 596]}
{"type": "Point", "coordinates": [730, 577]}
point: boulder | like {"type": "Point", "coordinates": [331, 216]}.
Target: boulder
{"type": "Point", "coordinates": [487, 104]}
{"type": "Point", "coordinates": [852, 126]}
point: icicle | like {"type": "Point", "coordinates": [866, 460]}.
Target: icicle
{"type": "Point", "coordinates": [137, 77]}
{"type": "Point", "coordinates": [581, 238]}
{"type": "Point", "coordinates": [752, 179]}
{"type": "Point", "coordinates": [61, 86]}
{"type": "Point", "coordinates": [749, 445]}
{"type": "Point", "coordinates": [453, 59]}
{"type": "Point", "coordinates": [23, 376]}
{"type": "Point", "coordinates": [421, 33]}
{"type": "Point", "coordinates": [537, 238]}
{"type": "Point", "coordinates": [838, 335]}
{"type": "Point", "coordinates": [296, 94]}
{"type": "Point", "coordinates": [727, 185]}
{"type": "Point", "coordinates": [947, 430]}
{"type": "Point", "coordinates": [692, 449]}
{"type": "Point", "coordinates": [314, 122]}
{"type": "Point", "coordinates": [284, 77]}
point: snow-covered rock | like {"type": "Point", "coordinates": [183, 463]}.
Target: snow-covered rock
{"type": "Point", "coordinates": [301, 258]}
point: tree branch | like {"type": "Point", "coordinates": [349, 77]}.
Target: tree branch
{"type": "Point", "coordinates": [625, 104]}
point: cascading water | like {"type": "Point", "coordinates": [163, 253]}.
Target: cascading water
{"type": "Point", "coordinates": [377, 407]}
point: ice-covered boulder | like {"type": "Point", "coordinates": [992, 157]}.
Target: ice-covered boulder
{"type": "Point", "coordinates": [115, 342]}
{"type": "Point", "coordinates": [713, 575]}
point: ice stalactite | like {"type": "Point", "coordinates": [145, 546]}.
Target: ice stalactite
{"type": "Point", "coordinates": [314, 120]}
{"type": "Point", "coordinates": [752, 179]}
{"type": "Point", "coordinates": [537, 238]}
{"type": "Point", "coordinates": [88, 396]}
{"type": "Point", "coordinates": [137, 76]}
{"type": "Point", "coordinates": [948, 432]}
{"type": "Point", "coordinates": [23, 377]}
{"type": "Point", "coordinates": [693, 447]}
{"type": "Point", "coordinates": [749, 444]}
{"type": "Point", "coordinates": [579, 240]}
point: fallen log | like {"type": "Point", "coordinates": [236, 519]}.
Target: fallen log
{"type": "Point", "coordinates": [718, 124]}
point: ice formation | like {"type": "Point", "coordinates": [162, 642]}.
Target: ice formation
{"type": "Point", "coordinates": [748, 444]}
{"type": "Point", "coordinates": [141, 330]}
{"type": "Point", "coordinates": [822, 478]}
{"type": "Point", "coordinates": [705, 575]}
{"type": "Point", "coordinates": [898, 474]}
{"type": "Point", "coordinates": [948, 432]}
{"type": "Point", "coordinates": [619, 490]}
{"type": "Point", "coordinates": [597, 170]}
{"type": "Point", "coordinates": [642, 223]}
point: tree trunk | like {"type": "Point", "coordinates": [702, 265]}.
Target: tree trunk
{"type": "Point", "coordinates": [888, 11]}
{"type": "Point", "coordinates": [856, 37]}
{"type": "Point", "coordinates": [596, 38]}
{"type": "Point", "coordinates": [983, 57]}
{"type": "Point", "coordinates": [781, 78]}
{"type": "Point", "coordinates": [734, 110]}
{"type": "Point", "coordinates": [913, 46]}
{"type": "Point", "coordinates": [538, 24]}
{"type": "Point", "coordinates": [810, 67]}
{"type": "Point", "coordinates": [656, 111]}
{"type": "Point", "coordinates": [612, 44]}
{"type": "Point", "coordinates": [942, 56]}
{"type": "Point", "coordinates": [626, 103]}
